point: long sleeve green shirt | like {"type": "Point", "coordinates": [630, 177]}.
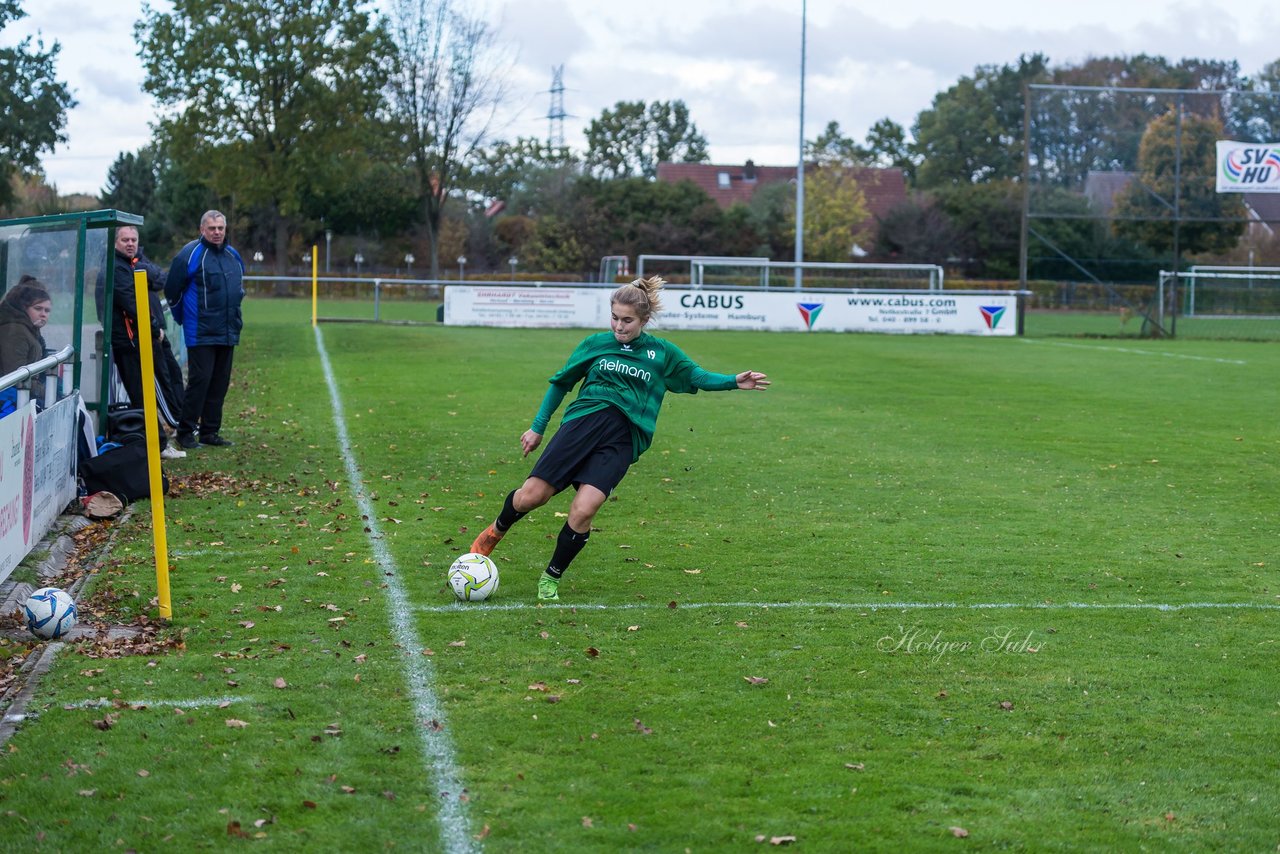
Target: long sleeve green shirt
{"type": "Point", "coordinates": [633, 377]}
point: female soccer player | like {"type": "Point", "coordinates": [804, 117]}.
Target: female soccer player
{"type": "Point", "coordinates": [624, 375]}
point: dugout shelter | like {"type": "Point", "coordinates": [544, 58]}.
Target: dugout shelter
{"type": "Point", "coordinates": [65, 252]}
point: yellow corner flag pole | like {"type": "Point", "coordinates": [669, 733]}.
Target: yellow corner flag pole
{"type": "Point", "coordinates": [315, 263]}
{"type": "Point", "coordinates": [153, 442]}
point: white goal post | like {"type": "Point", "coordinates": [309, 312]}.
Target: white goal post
{"type": "Point", "coordinates": [1224, 292]}
{"type": "Point", "coordinates": [769, 275]}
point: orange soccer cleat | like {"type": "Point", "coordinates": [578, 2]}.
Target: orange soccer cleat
{"type": "Point", "coordinates": [487, 541]}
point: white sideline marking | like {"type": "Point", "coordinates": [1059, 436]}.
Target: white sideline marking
{"type": "Point", "coordinates": [196, 703]}
{"type": "Point", "coordinates": [476, 607]}
{"type": "Point", "coordinates": [219, 551]}
{"type": "Point", "coordinates": [455, 834]}
{"type": "Point", "coordinates": [1136, 351]}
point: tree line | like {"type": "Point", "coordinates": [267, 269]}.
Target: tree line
{"type": "Point", "coordinates": [328, 116]}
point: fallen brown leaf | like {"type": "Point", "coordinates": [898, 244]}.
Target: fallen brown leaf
{"type": "Point", "coordinates": [959, 832]}
{"type": "Point", "coordinates": [236, 724]}
{"type": "Point", "coordinates": [756, 680]}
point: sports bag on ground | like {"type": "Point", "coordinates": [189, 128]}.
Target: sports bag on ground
{"type": "Point", "coordinates": [121, 470]}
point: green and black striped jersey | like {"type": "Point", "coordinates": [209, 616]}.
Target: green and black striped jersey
{"type": "Point", "coordinates": [633, 377]}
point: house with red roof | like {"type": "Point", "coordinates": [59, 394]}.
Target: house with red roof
{"type": "Point", "coordinates": [1102, 188]}
{"type": "Point", "coordinates": [730, 185]}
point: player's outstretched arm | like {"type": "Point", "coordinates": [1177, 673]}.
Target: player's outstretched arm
{"type": "Point", "coordinates": [529, 441]}
{"type": "Point", "coordinates": [753, 381]}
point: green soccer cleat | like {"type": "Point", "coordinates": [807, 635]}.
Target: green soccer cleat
{"type": "Point", "coordinates": [548, 589]}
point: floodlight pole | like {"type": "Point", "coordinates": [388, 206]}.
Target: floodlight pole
{"type": "Point", "coordinates": [1177, 222]}
{"type": "Point", "coordinates": [800, 163]}
{"type": "Point", "coordinates": [1026, 186]}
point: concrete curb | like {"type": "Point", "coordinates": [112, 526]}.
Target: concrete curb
{"type": "Point", "coordinates": [50, 562]}
{"type": "Point", "coordinates": [24, 688]}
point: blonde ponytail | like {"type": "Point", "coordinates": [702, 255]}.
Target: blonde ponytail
{"type": "Point", "coordinates": [641, 295]}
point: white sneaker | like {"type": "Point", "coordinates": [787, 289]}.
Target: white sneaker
{"type": "Point", "coordinates": [172, 454]}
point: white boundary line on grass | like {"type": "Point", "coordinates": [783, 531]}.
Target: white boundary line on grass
{"type": "Point", "coordinates": [477, 607]}
{"type": "Point", "coordinates": [186, 554]}
{"type": "Point", "coordinates": [117, 703]}
{"type": "Point", "coordinates": [455, 833]}
{"type": "Point", "coordinates": [1135, 351]}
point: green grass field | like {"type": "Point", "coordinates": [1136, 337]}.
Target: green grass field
{"type": "Point", "coordinates": [1022, 592]}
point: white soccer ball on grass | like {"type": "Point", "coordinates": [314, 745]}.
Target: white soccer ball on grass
{"type": "Point", "coordinates": [51, 613]}
{"type": "Point", "coordinates": [473, 577]}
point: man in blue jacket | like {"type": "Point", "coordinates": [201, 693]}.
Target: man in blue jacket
{"type": "Point", "coordinates": [205, 290]}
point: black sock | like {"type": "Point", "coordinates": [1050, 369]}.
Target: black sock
{"type": "Point", "coordinates": [509, 515]}
{"type": "Point", "coordinates": [568, 544]}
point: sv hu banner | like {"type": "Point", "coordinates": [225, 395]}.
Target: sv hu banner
{"type": "Point", "coordinates": [1248, 167]}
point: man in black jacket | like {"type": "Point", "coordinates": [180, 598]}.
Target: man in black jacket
{"type": "Point", "coordinates": [125, 349]}
{"type": "Point", "coordinates": [205, 289]}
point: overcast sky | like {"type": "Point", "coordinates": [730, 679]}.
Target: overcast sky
{"type": "Point", "coordinates": [735, 63]}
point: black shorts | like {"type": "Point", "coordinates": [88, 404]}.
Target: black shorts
{"type": "Point", "coordinates": [593, 449]}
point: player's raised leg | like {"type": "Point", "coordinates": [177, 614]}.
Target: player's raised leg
{"type": "Point", "coordinates": [531, 495]}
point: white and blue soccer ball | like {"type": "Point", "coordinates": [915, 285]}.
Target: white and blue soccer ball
{"type": "Point", "coordinates": [473, 577]}
{"type": "Point", "coordinates": [51, 613]}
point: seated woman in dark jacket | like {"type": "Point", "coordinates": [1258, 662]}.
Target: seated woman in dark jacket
{"type": "Point", "coordinates": [23, 313]}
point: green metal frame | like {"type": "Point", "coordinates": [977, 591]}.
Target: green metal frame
{"type": "Point", "coordinates": [82, 222]}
